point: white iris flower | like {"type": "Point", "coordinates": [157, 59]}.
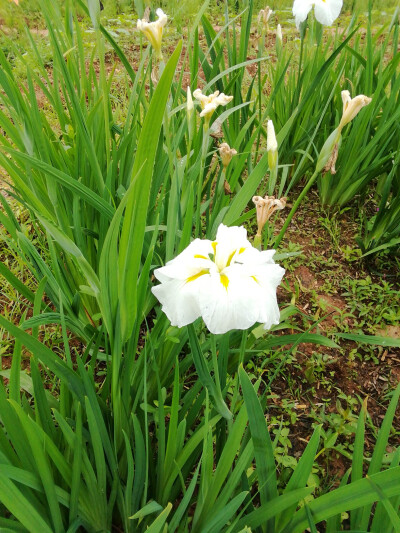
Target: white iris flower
{"type": "Point", "coordinates": [227, 282]}
{"type": "Point", "coordinates": [210, 103]}
{"type": "Point", "coordinates": [326, 11]}
{"type": "Point", "coordinates": [154, 30]}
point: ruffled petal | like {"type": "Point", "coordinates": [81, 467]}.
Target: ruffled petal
{"type": "Point", "coordinates": [301, 9]}
{"type": "Point", "coordinates": [326, 12]}
{"type": "Point", "coordinates": [233, 291]}
{"type": "Point", "coordinates": [178, 300]}
{"type": "Point", "coordinates": [226, 308]}
{"type": "Point", "coordinates": [162, 17]}
{"type": "Point", "coordinates": [188, 263]}
{"type": "Point", "coordinates": [223, 99]}
{"type": "Point", "coordinates": [209, 109]}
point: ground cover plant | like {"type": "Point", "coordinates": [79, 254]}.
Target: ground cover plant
{"type": "Point", "coordinates": [150, 382]}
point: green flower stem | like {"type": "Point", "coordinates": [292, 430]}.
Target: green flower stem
{"type": "Point", "coordinates": [204, 150]}
{"type": "Point", "coordinates": [295, 207]}
{"type": "Point", "coordinates": [161, 67]}
{"type": "Point", "coordinates": [242, 352]}
{"type": "Point", "coordinates": [204, 374]}
{"type": "Point", "coordinates": [261, 46]}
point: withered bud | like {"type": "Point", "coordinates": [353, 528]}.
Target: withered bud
{"type": "Point", "coordinates": [265, 207]}
{"type": "Point", "coordinates": [226, 153]}
{"type": "Point", "coordinates": [331, 164]}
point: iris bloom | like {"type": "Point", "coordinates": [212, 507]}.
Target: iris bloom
{"type": "Point", "coordinates": [351, 107]}
{"type": "Point", "coordinates": [210, 103]}
{"type": "Point", "coordinates": [227, 282]}
{"type": "Point", "coordinates": [154, 30]}
{"type": "Point", "coordinates": [326, 11]}
{"type": "Point", "coordinates": [329, 153]}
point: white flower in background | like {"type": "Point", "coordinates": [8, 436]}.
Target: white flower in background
{"type": "Point", "coordinates": [210, 103]}
{"type": "Point", "coordinates": [272, 148]}
{"type": "Point", "coordinates": [272, 143]}
{"type": "Point", "coordinates": [154, 30]}
{"type": "Point", "coordinates": [326, 11]}
{"type": "Point", "coordinates": [352, 106]}
{"type": "Point", "coordinates": [226, 153]}
{"type": "Point", "coordinates": [227, 282]}
{"type": "Point", "coordinates": [264, 15]}
{"type": "Point", "coordinates": [329, 152]}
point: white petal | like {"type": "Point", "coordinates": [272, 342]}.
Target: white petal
{"type": "Point", "coordinates": [326, 12]}
{"type": "Point", "coordinates": [223, 99]}
{"type": "Point", "coordinates": [162, 17]}
{"type": "Point", "coordinates": [230, 241]}
{"type": "Point", "coordinates": [209, 109]}
{"type": "Point", "coordinates": [301, 9]}
{"type": "Point", "coordinates": [186, 264]}
{"type": "Point", "coordinates": [272, 143]}
{"type": "Point", "coordinates": [178, 300]}
{"type": "Point", "coordinates": [224, 309]}
{"type": "Point", "coordinates": [251, 256]}
{"type": "Point", "coordinates": [200, 96]}
{"type": "Point", "coordinates": [234, 234]}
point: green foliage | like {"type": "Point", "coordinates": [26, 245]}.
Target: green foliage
{"type": "Point", "coordinates": [117, 181]}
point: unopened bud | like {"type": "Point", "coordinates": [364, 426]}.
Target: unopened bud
{"type": "Point", "coordinates": [279, 35]}
{"type": "Point", "coordinates": [272, 143]}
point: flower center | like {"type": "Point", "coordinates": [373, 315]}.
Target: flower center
{"type": "Point", "coordinates": [221, 263]}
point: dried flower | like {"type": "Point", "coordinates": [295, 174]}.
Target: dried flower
{"type": "Point", "coordinates": [264, 15]}
{"type": "Point", "coordinates": [264, 209]}
{"type": "Point", "coordinates": [226, 153]}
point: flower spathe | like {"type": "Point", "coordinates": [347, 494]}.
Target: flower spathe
{"type": "Point", "coordinates": [154, 30]}
{"type": "Point", "coordinates": [326, 11]}
{"type": "Point", "coordinates": [227, 282]}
